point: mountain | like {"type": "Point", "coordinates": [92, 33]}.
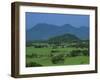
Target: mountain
{"type": "Point", "coordinates": [64, 38]}
{"type": "Point", "coordinates": [44, 31]}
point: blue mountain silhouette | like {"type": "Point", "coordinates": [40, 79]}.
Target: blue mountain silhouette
{"type": "Point", "coordinates": [43, 31]}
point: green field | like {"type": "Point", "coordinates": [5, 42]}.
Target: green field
{"type": "Point", "coordinates": [44, 56]}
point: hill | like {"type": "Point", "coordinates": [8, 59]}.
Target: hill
{"type": "Point", "coordinates": [44, 31]}
{"type": "Point", "coordinates": [64, 38]}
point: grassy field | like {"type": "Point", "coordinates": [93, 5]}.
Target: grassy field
{"type": "Point", "coordinates": [41, 57]}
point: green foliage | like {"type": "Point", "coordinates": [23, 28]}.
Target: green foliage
{"type": "Point", "coordinates": [57, 57]}
{"type": "Point", "coordinates": [32, 64]}
{"type": "Point", "coordinates": [75, 53]}
{"type": "Point", "coordinates": [28, 44]}
{"type": "Point", "coordinates": [63, 38]}
{"type": "Point", "coordinates": [60, 50]}
{"type": "Point", "coordinates": [33, 55]}
{"type": "Point", "coordinates": [85, 52]}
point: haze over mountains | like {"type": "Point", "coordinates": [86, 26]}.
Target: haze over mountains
{"type": "Point", "coordinates": [43, 31]}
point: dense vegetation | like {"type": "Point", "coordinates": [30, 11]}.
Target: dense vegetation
{"type": "Point", "coordinates": [65, 49]}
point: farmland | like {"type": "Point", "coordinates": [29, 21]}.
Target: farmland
{"type": "Point", "coordinates": [43, 57]}
{"type": "Point", "coordinates": [44, 53]}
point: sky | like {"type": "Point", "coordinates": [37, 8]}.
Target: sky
{"type": "Point", "coordinates": [56, 19]}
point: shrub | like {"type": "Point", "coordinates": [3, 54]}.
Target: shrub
{"type": "Point", "coordinates": [54, 47]}
{"type": "Point", "coordinates": [79, 53]}
{"type": "Point", "coordinates": [57, 58]}
{"type": "Point", "coordinates": [54, 51]}
{"type": "Point", "coordinates": [33, 55]}
{"type": "Point", "coordinates": [33, 64]}
{"type": "Point", "coordinates": [75, 53]}
{"type": "Point", "coordinates": [67, 54]}
{"type": "Point", "coordinates": [85, 52]}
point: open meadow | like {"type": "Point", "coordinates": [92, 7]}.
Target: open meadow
{"type": "Point", "coordinates": [43, 54]}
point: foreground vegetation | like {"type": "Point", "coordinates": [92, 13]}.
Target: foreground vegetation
{"type": "Point", "coordinates": [65, 49]}
{"type": "Point", "coordinates": [43, 54]}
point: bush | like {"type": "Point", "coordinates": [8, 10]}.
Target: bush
{"type": "Point", "coordinates": [67, 54]}
{"type": "Point", "coordinates": [57, 58]}
{"type": "Point", "coordinates": [33, 55]}
{"type": "Point", "coordinates": [79, 53]}
{"type": "Point", "coordinates": [54, 51]}
{"type": "Point", "coordinates": [80, 45]}
{"type": "Point", "coordinates": [75, 53]}
{"type": "Point", "coordinates": [54, 47]}
{"type": "Point", "coordinates": [85, 52]}
{"type": "Point", "coordinates": [33, 64]}
{"type": "Point", "coordinates": [28, 44]}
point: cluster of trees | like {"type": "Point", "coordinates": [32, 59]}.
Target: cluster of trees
{"type": "Point", "coordinates": [29, 44]}
{"type": "Point", "coordinates": [59, 57]}
{"type": "Point", "coordinates": [31, 64]}
{"type": "Point", "coordinates": [58, 41]}
{"type": "Point", "coordinates": [37, 45]}
{"type": "Point", "coordinates": [80, 45]}
{"type": "Point", "coordinates": [75, 53]}
{"type": "Point", "coordinates": [35, 55]}
{"type": "Point", "coordinates": [57, 45]}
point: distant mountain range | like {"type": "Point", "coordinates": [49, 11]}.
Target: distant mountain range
{"type": "Point", "coordinates": [44, 31]}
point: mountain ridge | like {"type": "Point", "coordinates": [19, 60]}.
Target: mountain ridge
{"type": "Point", "coordinates": [43, 31]}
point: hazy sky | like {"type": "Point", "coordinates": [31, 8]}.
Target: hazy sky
{"type": "Point", "coordinates": [57, 19]}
